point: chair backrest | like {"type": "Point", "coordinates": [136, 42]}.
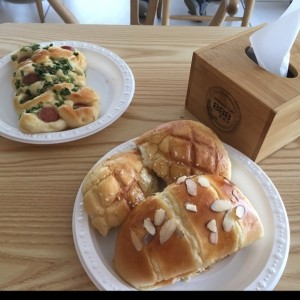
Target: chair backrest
{"type": "Point", "coordinates": [226, 12]}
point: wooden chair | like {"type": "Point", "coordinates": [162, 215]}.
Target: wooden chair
{"type": "Point", "coordinates": [225, 12]}
{"type": "Point", "coordinates": [134, 12]}
{"type": "Point", "coordinates": [60, 8]}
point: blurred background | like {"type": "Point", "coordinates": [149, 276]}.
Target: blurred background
{"type": "Point", "coordinates": [118, 11]}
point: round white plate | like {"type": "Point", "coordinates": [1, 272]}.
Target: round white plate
{"type": "Point", "coordinates": [107, 74]}
{"type": "Point", "coordinates": [256, 267]}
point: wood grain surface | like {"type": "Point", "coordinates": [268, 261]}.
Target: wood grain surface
{"type": "Point", "coordinates": [39, 183]}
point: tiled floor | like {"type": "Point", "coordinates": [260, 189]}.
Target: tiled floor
{"type": "Point", "coordinates": [118, 11]}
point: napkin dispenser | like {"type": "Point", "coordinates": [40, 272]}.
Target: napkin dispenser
{"type": "Point", "coordinates": [249, 108]}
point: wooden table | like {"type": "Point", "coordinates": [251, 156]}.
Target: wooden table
{"type": "Point", "coordinates": [39, 183]}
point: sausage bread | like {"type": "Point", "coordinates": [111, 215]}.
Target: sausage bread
{"type": "Point", "coordinates": [51, 92]}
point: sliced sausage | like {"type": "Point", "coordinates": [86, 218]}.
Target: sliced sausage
{"type": "Point", "coordinates": [23, 59]}
{"type": "Point", "coordinates": [68, 48]}
{"type": "Point", "coordinates": [48, 114]}
{"type": "Point", "coordinates": [30, 78]}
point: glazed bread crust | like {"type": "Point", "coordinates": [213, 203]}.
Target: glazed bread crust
{"type": "Point", "coordinates": [206, 218]}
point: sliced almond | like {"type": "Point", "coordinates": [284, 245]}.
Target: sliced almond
{"type": "Point", "coordinates": [181, 179]}
{"type": "Point", "coordinates": [159, 216]}
{"type": "Point", "coordinates": [179, 232]}
{"type": "Point", "coordinates": [220, 205]}
{"type": "Point", "coordinates": [147, 238]}
{"type": "Point", "coordinates": [167, 230]}
{"type": "Point", "coordinates": [136, 241]}
{"type": "Point", "coordinates": [240, 211]}
{"type": "Point", "coordinates": [190, 207]}
{"type": "Point", "coordinates": [228, 221]}
{"type": "Point", "coordinates": [213, 237]}
{"type": "Point", "coordinates": [149, 226]}
{"type": "Point", "coordinates": [212, 225]}
{"type": "Point", "coordinates": [191, 187]}
{"type": "Point", "coordinates": [204, 182]}
{"type": "Point", "coordinates": [235, 195]}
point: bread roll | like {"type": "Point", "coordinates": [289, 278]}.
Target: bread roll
{"type": "Point", "coordinates": [183, 230]}
{"type": "Point", "coordinates": [52, 111]}
{"type": "Point", "coordinates": [183, 147]}
{"type": "Point", "coordinates": [39, 54]}
{"type": "Point", "coordinates": [34, 79]}
{"type": "Point", "coordinates": [51, 93]}
{"type": "Point", "coordinates": [114, 187]}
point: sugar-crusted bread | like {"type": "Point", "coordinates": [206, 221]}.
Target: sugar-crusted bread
{"type": "Point", "coordinates": [183, 147]}
{"type": "Point", "coordinates": [112, 188]}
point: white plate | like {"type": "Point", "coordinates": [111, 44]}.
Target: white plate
{"type": "Point", "coordinates": [256, 267]}
{"type": "Point", "coordinates": [107, 74]}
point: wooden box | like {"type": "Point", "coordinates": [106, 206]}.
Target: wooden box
{"type": "Point", "coordinates": [249, 108]}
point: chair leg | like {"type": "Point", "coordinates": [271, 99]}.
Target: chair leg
{"type": "Point", "coordinates": [40, 9]}
{"type": "Point", "coordinates": [166, 12]}
{"type": "Point", "coordinates": [63, 12]}
{"type": "Point", "coordinates": [220, 15]}
{"type": "Point", "coordinates": [159, 9]}
{"type": "Point", "coordinates": [249, 5]}
{"type": "Point", "coordinates": [151, 13]}
{"type": "Point", "coordinates": [134, 12]}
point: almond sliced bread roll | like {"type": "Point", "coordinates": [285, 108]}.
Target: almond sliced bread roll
{"type": "Point", "coordinates": [183, 147]}
{"type": "Point", "coordinates": [183, 230]}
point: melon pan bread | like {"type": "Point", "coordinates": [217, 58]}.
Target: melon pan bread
{"type": "Point", "coordinates": [171, 150]}
{"type": "Point", "coordinates": [113, 187]}
{"type": "Point", "coordinates": [183, 230]}
{"type": "Point", "coordinates": [183, 147]}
